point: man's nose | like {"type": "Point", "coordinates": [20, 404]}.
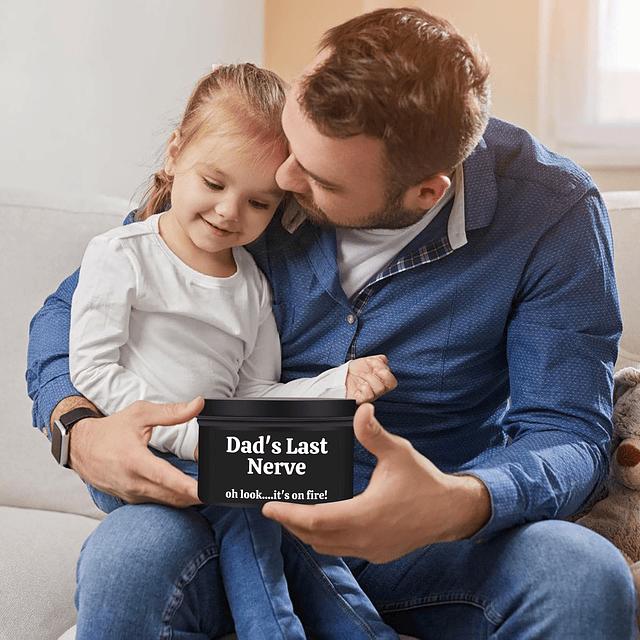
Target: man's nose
{"type": "Point", "coordinates": [290, 177]}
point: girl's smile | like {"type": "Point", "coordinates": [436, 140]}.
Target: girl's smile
{"type": "Point", "coordinates": [223, 195]}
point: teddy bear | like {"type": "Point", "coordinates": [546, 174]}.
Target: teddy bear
{"type": "Point", "coordinates": [617, 516]}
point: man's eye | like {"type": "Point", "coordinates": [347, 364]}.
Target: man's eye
{"type": "Point", "coordinates": [214, 186]}
{"type": "Point", "coordinates": [258, 205]}
{"type": "Point", "coordinates": [325, 187]}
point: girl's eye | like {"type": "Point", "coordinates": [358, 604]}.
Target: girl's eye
{"type": "Point", "coordinates": [214, 186]}
{"type": "Point", "coordinates": [258, 205]}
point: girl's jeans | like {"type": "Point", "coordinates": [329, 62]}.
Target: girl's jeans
{"type": "Point", "coordinates": [250, 557]}
{"type": "Point", "coordinates": [150, 571]}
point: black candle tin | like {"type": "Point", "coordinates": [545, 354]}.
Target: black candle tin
{"type": "Point", "coordinates": [253, 450]}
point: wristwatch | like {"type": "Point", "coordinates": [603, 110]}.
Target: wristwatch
{"type": "Point", "coordinates": [60, 432]}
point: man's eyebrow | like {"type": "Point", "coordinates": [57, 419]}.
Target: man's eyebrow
{"type": "Point", "coordinates": [318, 179]}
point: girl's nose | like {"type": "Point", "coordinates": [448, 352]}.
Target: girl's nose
{"type": "Point", "coordinates": [290, 177]}
{"type": "Point", "coordinates": [228, 207]}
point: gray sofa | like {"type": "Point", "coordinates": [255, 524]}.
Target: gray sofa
{"type": "Point", "coordinates": [45, 511]}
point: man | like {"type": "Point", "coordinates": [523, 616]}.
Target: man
{"type": "Point", "coordinates": [480, 264]}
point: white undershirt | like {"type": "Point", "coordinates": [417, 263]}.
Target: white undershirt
{"type": "Point", "coordinates": [363, 253]}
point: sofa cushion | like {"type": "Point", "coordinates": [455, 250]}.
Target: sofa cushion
{"type": "Point", "coordinates": [43, 239]}
{"type": "Point", "coordinates": [624, 211]}
{"type": "Point", "coordinates": [38, 556]}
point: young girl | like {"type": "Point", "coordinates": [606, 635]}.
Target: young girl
{"type": "Point", "coordinates": [172, 307]}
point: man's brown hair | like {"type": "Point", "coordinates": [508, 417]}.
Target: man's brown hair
{"type": "Point", "coordinates": [408, 78]}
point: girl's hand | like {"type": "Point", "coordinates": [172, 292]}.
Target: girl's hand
{"type": "Point", "coordinates": [369, 378]}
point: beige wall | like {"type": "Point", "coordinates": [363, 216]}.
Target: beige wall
{"type": "Point", "coordinates": [507, 30]}
{"type": "Point", "coordinates": [293, 28]}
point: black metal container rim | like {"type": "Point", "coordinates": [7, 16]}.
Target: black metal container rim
{"type": "Point", "coordinates": [276, 424]}
{"type": "Point", "coordinates": [278, 408]}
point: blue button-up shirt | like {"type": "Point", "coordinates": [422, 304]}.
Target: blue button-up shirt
{"type": "Point", "coordinates": [503, 347]}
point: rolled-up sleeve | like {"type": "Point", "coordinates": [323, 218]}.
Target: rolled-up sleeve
{"type": "Point", "coordinates": [48, 379]}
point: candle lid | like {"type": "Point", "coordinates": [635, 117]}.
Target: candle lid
{"type": "Point", "coordinates": [298, 408]}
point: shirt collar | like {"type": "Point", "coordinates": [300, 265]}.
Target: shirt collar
{"type": "Point", "coordinates": [456, 225]}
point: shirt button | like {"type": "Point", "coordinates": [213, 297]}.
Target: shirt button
{"type": "Point", "coordinates": [351, 318]}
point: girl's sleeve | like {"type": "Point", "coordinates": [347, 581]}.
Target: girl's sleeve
{"type": "Point", "coordinates": [100, 313]}
{"type": "Point", "coordinates": [260, 373]}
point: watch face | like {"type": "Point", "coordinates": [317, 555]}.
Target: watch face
{"type": "Point", "coordinates": [57, 442]}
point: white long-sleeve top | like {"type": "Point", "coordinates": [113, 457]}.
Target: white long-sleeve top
{"type": "Point", "coordinates": [145, 326]}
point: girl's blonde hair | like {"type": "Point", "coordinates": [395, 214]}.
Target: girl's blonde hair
{"type": "Point", "coordinates": [234, 99]}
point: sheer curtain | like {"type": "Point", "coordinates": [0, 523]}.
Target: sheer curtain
{"type": "Point", "coordinates": [618, 56]}
{"type": "Point", "coordinates": [591, 80]}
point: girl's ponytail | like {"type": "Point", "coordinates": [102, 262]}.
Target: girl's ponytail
{"type": "Point", "coordinates": [158, 197]}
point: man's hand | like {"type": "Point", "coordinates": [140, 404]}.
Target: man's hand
{"type": "Point", "coordinates": [368, 378]}
{"type": "Point", "coordinates": [409, 503]}
{"type": "Point", "coordinates": [111, 454]}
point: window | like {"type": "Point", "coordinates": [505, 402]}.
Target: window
{"type": "Point", "coordinates": [590, 90]}
{"type": "Point", "coordinates": [618, 100]}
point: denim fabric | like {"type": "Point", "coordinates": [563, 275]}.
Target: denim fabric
{"type": "Point", "coordinates": [550, 580]}
{"type": "Point", "coordinates": [248, 551]}
{"type": "Point", "coordinates": [253, 572]}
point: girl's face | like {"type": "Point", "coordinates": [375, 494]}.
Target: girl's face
{"type": "Point", "coordinates": [223, 195]}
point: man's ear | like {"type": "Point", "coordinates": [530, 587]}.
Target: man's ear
{"type": "Point", "coordinates": [425, 194]}
{"type": "Point", "coordinates": [171, 154]}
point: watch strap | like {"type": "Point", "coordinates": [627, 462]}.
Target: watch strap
{"type": "Point", "coordinates": [75, 415]}
{"type": "Point", "coordinates": [61, 429]}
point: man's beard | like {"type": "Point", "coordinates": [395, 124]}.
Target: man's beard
{"type": "Point", "coordinates": [392, 214]}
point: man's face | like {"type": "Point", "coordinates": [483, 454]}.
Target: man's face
{"type": "Point", "coordinates": [340, 182]}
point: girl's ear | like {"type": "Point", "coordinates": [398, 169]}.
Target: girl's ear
{"type": "Point", "coordinates": [172, 153]}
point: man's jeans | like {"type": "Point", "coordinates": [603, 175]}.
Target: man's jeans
{"type": "Point", "coordinates": [150, 571]}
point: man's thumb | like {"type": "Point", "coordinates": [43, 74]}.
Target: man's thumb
{"type": "Point", "coordinates": [370, 433]}
{"type": "Point", "coordinates": [174, 413]}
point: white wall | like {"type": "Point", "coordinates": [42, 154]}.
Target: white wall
{"type": "Point", "coordinates": [90, 89]}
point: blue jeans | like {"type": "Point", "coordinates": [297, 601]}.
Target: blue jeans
{"type": "Point", "coordinates": [548, 580]}
{"type": "Point", "coordinates": [258, 568]}
{"type": "Point", "coordinates": [252, 564]}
